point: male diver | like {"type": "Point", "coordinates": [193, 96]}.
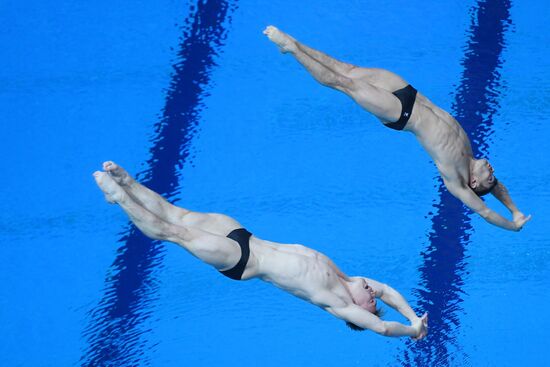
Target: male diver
{"type": "Point", "coordinates": [222, 242]}
{"type": "Point", "coordinates": [399, 106]}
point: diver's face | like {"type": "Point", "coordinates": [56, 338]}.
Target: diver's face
{"type": "Point", "coordinates": [483, 177]}
{"type": "Point", "coordinates": [363, 295]}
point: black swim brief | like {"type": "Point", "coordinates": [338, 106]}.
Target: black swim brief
{"type": "Point", "coordinates": [242, 237]}
{"type": "Point", "coordinates": [407, 96]}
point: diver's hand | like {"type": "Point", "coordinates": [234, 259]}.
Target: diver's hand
{"type": "Point", "coordinates": [520, 219]}
{"type": "Point", "coordinates": [421, 327]}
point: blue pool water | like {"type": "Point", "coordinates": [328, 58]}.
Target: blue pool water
{"type": "Point", "coordinates": [191, 96]}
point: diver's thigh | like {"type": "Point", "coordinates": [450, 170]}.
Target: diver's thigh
{"type": "Point", "coordinates": [218, 251]}
{"type": "Point", "coordinates": [380, 78]}
{"type": "Point", "coordinates": [216, 223]}
{"type": "Point", "coordinates": [378, 101]}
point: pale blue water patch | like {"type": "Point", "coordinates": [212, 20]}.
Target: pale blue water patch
{"type": "Point", "coordinates": [302, 159]}
{"type": "Point", "coordinates": [445, 259]}
{"type": "Point", "coordinates": [119, 325]}
{"type": "Point", "coordinates": [72, 96]}
{"type": "Point", "coordinates": [512, 271]}
{"type": "Point", "coordinates": [293, 161]}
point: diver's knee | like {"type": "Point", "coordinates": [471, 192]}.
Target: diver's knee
{"type": "Point", "coordinates": [177, 233]}
{"type": "Point", "coordinates": [342, 83]}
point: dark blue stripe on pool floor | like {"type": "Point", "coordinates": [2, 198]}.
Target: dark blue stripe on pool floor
{"type": "Point", "coordinates": [116, 331]}
{"type": "Point", "coordinates": [444, 260]}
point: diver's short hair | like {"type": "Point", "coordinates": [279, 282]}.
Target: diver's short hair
{"type": "Point", "coordinates": [379, 312]}
{"type": "Point", "coordinates": [484, 192]}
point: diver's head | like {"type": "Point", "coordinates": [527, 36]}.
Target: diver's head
{"type": "Point", "coordinates": [363, 296]}
{"type": "Point", "coordinates": [482, 178]}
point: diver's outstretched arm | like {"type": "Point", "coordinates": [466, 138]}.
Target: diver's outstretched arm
{"type": "Point", "coordinates": [366, 320]}
{"type": "Point", "coordinates": [501, 193]}
{"type": "Point", "coordinates": [393, 298]}
{"type": "Point", "coordinates": [472, 201]}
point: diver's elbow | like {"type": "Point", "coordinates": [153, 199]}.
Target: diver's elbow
{"type": "Point", "coordinates": [382, 329]}
{"type": "Point", "coordinates": [485, 213]}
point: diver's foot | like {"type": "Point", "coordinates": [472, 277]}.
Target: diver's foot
{"type": "Point", "coordinates": [117, 173]}
{"type": "Point", "coordinates": [112, 191]}
{"type": "Point", "coordinates": [281, 39]}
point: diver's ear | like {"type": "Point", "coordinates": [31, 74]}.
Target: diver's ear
{"type": "Point", "coordinates": [474, 183]}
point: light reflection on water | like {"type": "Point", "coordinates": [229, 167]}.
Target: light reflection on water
{"type": "Point", "coordinates": [116, 332]}
{"type": "Point", "coordinates": [83, 83]}
{"type": "Point", "coordinates": [444, 260]}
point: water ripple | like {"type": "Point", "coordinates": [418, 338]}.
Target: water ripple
{"type": "Point", "coordinates": [444, 260]}
{"type": "Point", "coordinates": [117, 330]}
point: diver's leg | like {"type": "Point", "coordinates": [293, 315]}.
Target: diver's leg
{"type": "Point", "coordinates": [149, 199]}
{"type": "Point", "coordinates": [333, 64]}
{"type": "Point", "coordinates": [320, 72]}
{"type": "Point", "coordinates": [380, 78]}
{"type": "Point", "coordinates": [211, 222]}
{"type": "Point", "coordinates": [378, 101]}
{"type": "Point", "coordinates": [218, 251]}
{"type": "Point", "coordinates": [288, 44]}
